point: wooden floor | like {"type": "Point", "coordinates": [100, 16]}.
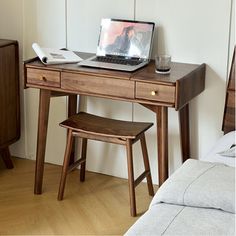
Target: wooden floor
{"type": "Point", "coordinates": [99, 206]}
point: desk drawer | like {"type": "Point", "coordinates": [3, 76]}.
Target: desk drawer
{"type": "Point", "coordinates": [43, 77]}
{"type": "Point", "coordinates": [88, 84]}
{"type": "Point", "coordinates": [155, 92]}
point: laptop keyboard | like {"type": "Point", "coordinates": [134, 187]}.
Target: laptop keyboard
{"type": "Point", "coordinates": [120, 61]}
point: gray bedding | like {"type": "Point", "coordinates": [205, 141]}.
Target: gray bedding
{"type": "Point", "coordinates": [198, 199]}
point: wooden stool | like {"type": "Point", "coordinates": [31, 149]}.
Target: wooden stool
{"type": "Point", "coordinates": [87, 126]}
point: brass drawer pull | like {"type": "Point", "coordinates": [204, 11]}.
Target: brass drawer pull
{"type": "Point", "coordinates": [153, 93]}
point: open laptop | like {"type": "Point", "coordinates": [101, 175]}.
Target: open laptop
{"type": "Point", "coordinates": [122, 45]}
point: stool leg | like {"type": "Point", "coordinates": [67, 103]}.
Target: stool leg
{"type": "Point", "coordinates": [146, 165]}
{"type": "Point", "coordinates": [83, 155]}
{"type": "Point", "coordinates": [65, 165]}
{"type": "Point", "coordinates": [131, 177]}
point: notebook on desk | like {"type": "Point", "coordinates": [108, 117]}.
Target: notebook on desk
{"type": "Point", "coordinates": [122, 45]}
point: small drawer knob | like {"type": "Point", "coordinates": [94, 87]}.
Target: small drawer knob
{"type": "Point", "coordinates": [44, 78]}
{"type": "Point", "coordinates": [153, 93]}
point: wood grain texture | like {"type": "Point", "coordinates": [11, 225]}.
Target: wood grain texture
{"type": "Point", "coordinates": [43, 77]}
{"type": "Point", "coordinates": [162, 143]}
{"type": "Point", "coordinates": [184, 132]}
{"type": "Point", "coordinates": [72, 109]}
{"type": "Point", "coordinates": [43, 113]}
{"type": "Point", "coordinates": [99, 206]}
{"type": "Point", "coordinates": [229, 115]}
{"type": "Point", "coordinates": [37, 64]}
{"type": "Point", "coordinates": [229, 110]}
{"type": "Point", "coordinates": [178, 71]}
{"type": "Point", "coordinates": [189, 86]}
{"type": "Point", "coordinates": [9, 98]}
{"type": "Point", "coordinates": [146, 165]}
{"type": "Point", "coordinates": [6, 42]}
{"type": "Point", "coordinates": [132, 198]}
{"type": "Point", "coordinates": [156, 92]}
{"type": "Point", "coordinates": [6, 157]}
{"type": "Point", "coordinates": [183, 83]}
{"type": "Point", "coordinates": [189, 80]}
{"type": "Point", "coordinates": [92, 124]}
{"type": "Point", "coordinates": [91, 84]}
{"type": "Point", "coordinates": [88, 126]}
{"type": "Point", "coordinates": [9, 93]}
{"type": "Point", "coordinates": [65, 166]}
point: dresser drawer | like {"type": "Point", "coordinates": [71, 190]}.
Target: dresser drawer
{"type": "Point", "coordinates": [43, 77]}
{"type": "Point", "coordinates": [88, 84]}
{"type": "Point", "coordinates": [155, 92]}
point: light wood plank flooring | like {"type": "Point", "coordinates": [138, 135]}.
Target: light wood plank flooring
{"type": "Point", "coordinates": [99, 206]}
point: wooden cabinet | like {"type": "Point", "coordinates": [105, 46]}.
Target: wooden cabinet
{"type": "Point", "coordinates": [229, 112]}
{"type": "Point", "coordinates": [9, 98]}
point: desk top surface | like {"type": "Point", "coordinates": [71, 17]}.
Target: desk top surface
{"type": "Point", "coordinates": [147, 73]}
{"type": "Point", "coordinates": [6, 42]}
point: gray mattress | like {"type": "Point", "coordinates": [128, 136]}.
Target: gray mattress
{"type": "Point", "coordinates": [198, 199]}
{"type": "Point", "coordinates": [169, 219]}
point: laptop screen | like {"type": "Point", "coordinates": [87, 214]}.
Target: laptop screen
{"type": "Point", "coordinates": [125, 38]}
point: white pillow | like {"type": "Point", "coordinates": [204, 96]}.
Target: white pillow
{"type": "Point", "coordinates": [221, 147]}
{"type": "Point", "coordinates": [229, 152]}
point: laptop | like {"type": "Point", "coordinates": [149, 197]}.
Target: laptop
{"type": "Point", "coordinates": [122, 45]}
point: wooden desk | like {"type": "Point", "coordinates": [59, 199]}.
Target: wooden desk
{"type": "Point", "coordinates": [154, 91]}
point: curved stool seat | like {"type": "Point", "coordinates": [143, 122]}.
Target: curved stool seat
{"type": "Point", "coordinates": [88, 126]}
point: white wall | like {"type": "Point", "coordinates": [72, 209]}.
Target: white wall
{"type": "Point", "coordinates": [83, 29]}
{"type": "Point", "coordinates": [232, 34]}
{"type": "Point", "coordinates": [191, 34]}
{"type": "Point", "coordinates": [31, 21]}
{"type": "Point", "coordinates": [191, 31]}
{"type": "Point", "coordinates": [11, 27]}
{"type": "Point", "coordinates": [45, 23]}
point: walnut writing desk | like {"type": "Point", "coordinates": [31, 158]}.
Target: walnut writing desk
{"type": "Point", "coordinates": [154, 91]}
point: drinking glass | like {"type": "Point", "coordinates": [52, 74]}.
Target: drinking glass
{"type": "Point", "coordinates": [163, 64]}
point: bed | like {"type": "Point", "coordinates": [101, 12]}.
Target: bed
{"type": "Point", "coordinates": [198, 198]}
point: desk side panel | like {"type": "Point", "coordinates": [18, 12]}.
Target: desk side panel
{"type": "Point", "coordinates": [190, 86]}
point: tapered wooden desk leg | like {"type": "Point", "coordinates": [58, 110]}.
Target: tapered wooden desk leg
{"type": "Point", "coordinates": [6, 156]}
{"type": "Point", "coordinates": [72, 104]}
{"type": "Point", "coordinates": [162, 143]}
{"type": "Point", "coordinates": [44, 103]}
{"type": "Point", "coordinates": [72, 109]}
{"type": "Point", "coordinates": [184, 132]}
